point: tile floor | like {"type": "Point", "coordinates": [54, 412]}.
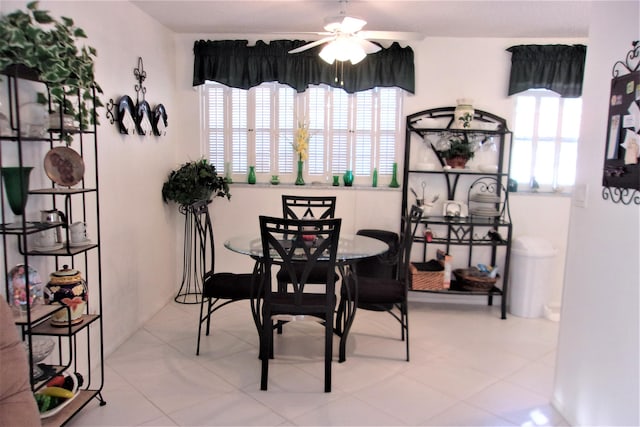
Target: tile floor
{"type": "Point", "coordinates": [468, 368]}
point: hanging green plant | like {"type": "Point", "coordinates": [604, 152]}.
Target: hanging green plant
{"type": "Point", "coordinates": [194, 181]}
{"type": "Point", "coordinates": [46, 45]}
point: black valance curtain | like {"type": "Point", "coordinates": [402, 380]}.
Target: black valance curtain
{"type": "Point", "coordinates": [559, 68]}
{"type": "Point", "coordinates": [234, 63]}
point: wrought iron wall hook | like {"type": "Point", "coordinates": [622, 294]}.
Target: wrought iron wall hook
{"type": "Point", "coordinates": [139, 117]}
{"type": "Point", "coordinates": [111, 115]}
{"type": "Point", "coordinates": [140, 75]}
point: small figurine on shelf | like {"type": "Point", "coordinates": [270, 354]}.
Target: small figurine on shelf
{"type": "Point", "coordinates": [534, 185]}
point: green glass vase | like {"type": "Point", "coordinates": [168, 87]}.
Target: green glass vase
{"type": "Point", "coordinates": [394, 177]}
{"type": "Point", "coordinates": [252, 175]}
{"type": "Point", "coordinates": [348, 178]}
{"type": "Point", "coordinates": [16, 184]}
{"type": "Point", "coordinates": [299, 177]}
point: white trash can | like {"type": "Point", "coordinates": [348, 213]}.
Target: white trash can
{"type": "Point", "coordinates": [530, 276]}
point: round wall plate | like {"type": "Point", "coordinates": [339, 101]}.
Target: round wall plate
{"type": "Point", "coordinates": [64, 166]}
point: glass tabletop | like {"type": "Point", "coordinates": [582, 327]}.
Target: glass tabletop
{"type": "Point", "coordinates": [350, 246]}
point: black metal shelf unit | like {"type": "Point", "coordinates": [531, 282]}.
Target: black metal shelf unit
{"type": "Point", "coordinates": [79, 345]}
{"type": "Point", "coordinates": [483, 191]}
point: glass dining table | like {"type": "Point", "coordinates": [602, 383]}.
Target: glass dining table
{"type": "Point", "coordinates": [351, 247]}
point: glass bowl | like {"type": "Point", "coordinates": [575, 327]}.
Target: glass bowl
{"type": "Point", "coordinates": [41, 348]}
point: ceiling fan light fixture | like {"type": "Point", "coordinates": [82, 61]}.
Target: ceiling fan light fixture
{"type": "Point", "coordinates": [342, 49]}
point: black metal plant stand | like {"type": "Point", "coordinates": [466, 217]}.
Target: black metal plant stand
{"type": "Point", "coordinates": [191, 287]}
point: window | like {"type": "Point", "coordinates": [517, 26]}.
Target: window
{"type": "Point", "coordinates": [358, 131]}
{"type": "Point", "coordinates": [545, 140]}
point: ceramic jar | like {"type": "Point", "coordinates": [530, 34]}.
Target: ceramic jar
{"type": "Point", "coordinates": [67, 287]}
{"type": "Point", "coordinates": [463, 114]}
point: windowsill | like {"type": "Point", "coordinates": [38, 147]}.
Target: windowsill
{"type": "Point", "coordinates": [540, 193]}
{"type": "Point", "coordinates": [263, 185]}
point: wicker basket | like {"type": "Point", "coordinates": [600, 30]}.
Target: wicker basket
{"type": "Point", "coordinates": [473, 279]}
{"type": "Point", "coordinates": [426, 276]}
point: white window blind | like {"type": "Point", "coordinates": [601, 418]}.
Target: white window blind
{"type": "Point", "coordinates": [339, 137]}
{"type": "Point", "coordinates": [239, 138]}
{"type": "Point", "coordinates": [359, 131]}
{"type": "Point", "coordinates": [262, 129]}
{"type": "Point", "coordinates": [545, 141]}
{"type": "Point", "coordinates": [215, 114]}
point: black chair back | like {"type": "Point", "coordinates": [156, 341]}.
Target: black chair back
{"type": "Point", "coordinates": [308, 207]}
{"type": "Point", "coordinates": [410, 222]}
{"type": "Point", "coordinates": [298, 246]}
{"type": "Point", "coordinates": [385, 265]}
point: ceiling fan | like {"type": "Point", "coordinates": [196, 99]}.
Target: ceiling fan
{"type": "Point", "coordinates": [346, 41]}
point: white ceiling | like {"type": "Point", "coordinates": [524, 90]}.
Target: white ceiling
{"type": "Point", "coordinates": [432, 18]}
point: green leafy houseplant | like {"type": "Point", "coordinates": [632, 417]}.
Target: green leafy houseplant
{"type": "Point", "coordinates": [458, 147]}
{"type": "Point", "coordinates": [457, 151]}
{"type": "Point", "coordinates": [36, 40]}
{"type": "Point", "coordinates": [193, 181]}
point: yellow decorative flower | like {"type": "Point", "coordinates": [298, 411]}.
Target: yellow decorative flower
{"type": "Point", "coordinates": [301, 141]}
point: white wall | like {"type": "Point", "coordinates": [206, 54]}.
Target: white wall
{"type": "Point", "coordinates": [138, 231]}
{"type": "Point", "coordinates": [597, 374]}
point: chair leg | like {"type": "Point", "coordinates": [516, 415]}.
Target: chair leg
{"type": "Point", "coordinates": [339, 315]}
{"type": "Point", "coordinates": [200, 326]}
{"type": "Point", "coordinates": [209, 303]}
{"type": "Point", "coordinates": [401, 308]}
{"type": "Point", "coordinates": [266, 346]}
{"type": "Point", "coordinates": [328, 352]}
{"type": "Point", "coordinates": [406, 324]}
{"type": "Point", "coordinates": [282, 287]}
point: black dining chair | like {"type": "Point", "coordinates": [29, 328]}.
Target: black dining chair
{"type": "Point", "coordinates": [297, 247]}
{"type": "Point", "coordinates": [218, 289]}
{"type": "Point", "coordinates": [383, 280]}
{"type": "Point", "coordinates": [306, 207]}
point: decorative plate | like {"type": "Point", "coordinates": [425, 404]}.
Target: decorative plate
{"type": "Point", "coordinates": [64, 166]}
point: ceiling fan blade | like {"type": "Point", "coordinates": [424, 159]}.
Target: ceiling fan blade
{"type": "Point", "coordinates": [390, 35]}
{"type": "Point", "coordinates": [312, 44]}
{"type": "Point", "coordinates": [366, 45]}
{"type": "Point", "coordinates": [351, 25]}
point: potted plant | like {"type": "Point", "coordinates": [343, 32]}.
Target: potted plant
{"type": "Point", "coordinates": [457, 151]}
{"type": "Point", "coordinates": [47, 48]}
{"type": "Point", "coordinates": [193, 181]}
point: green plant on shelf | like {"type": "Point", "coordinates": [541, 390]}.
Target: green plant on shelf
{"type": "Point", "coordinates": [47, 46]}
